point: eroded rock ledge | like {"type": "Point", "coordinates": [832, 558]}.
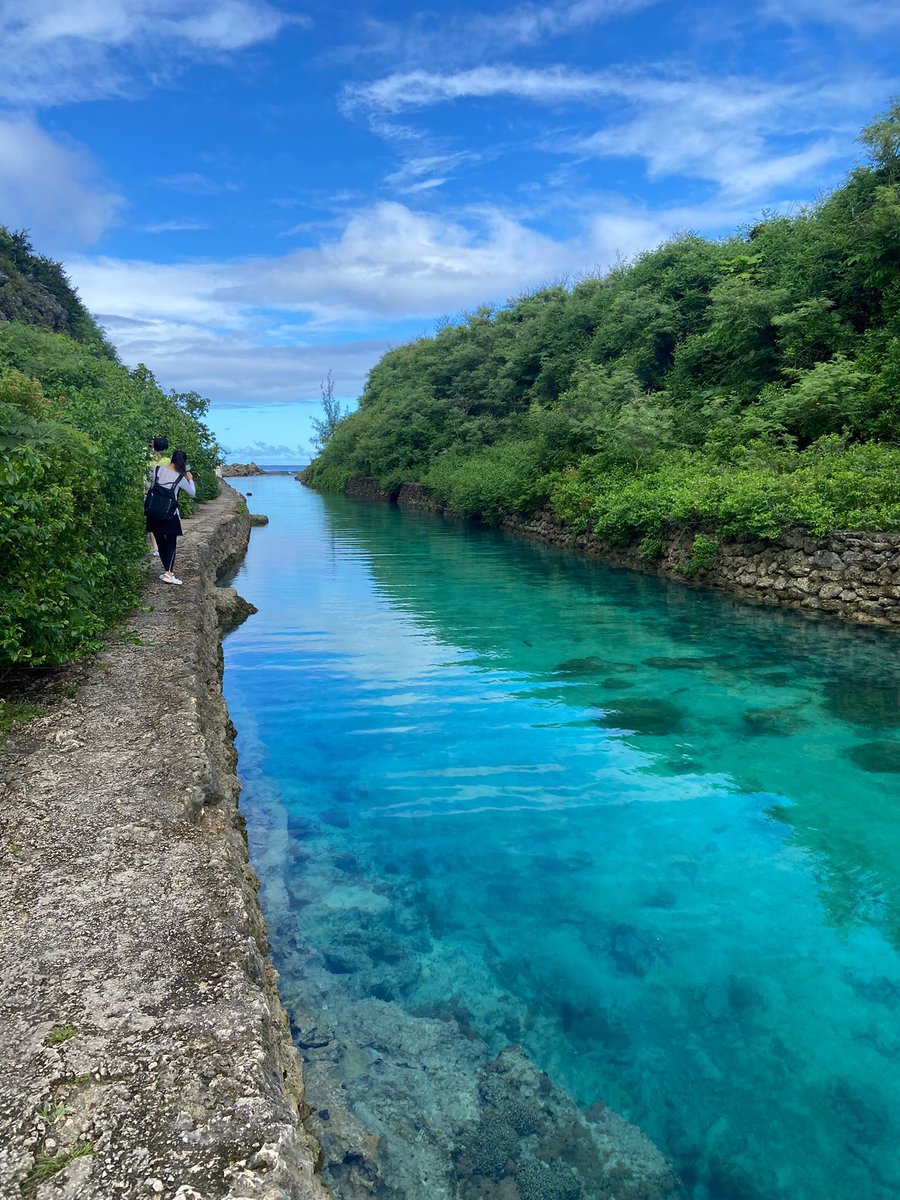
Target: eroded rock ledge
{"type": "Point", "coordinates": [143, 1048]}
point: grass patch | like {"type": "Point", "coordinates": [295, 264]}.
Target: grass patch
{"type": "Point", "coordinates": [15, 712]}
{"type": "Point", "coordinates": [51, 1113]}
{"type": "Point", "coordinates": [47, 1165]}
{"type": "Point", "coordinates": [60, 1034]}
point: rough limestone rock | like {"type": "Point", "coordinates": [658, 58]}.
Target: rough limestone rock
{"type": "Point", "coordinates": [143, 1047]}
{"type": "Point", "coordinates": [232, 608]}
{"type": "Point", "coordinates": [235, 470]}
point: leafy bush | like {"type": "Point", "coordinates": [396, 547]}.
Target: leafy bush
{"type": "Point", "coordinates": [73, 435]}
{"type": "Point", "coordinates": [499, 479]}
{"type": "Point", "coordinates": [829, 486]}
{"type": "Point", "coordinates": [703, 551]}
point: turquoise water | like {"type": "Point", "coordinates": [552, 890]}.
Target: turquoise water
{"type": "Point", "coordinates": [497, 794]}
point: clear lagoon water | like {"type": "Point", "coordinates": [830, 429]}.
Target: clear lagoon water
{"type": "Point", "coordinates": [497, 794]}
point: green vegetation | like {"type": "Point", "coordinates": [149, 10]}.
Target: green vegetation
{"type": "Point", "coordinates": [703, 551]}
{"type": "Point", "coordinates": [15, 712]}
{"type": "Point", "coordinates": [47, 1165]}
{"type": "Point", "coordinates": [60, 1034]}
{"type": "Point", "coordinates": [740, 386]}
{"type": "Point", "coordinates": [74, 425]}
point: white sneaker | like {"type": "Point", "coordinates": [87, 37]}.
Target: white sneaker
{"type": "Point", "coordinates": [168, 577]}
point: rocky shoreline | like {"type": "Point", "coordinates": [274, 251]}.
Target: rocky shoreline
{"type": "Point", "coordinates": [848, 574]}
{"type": "Point", "coordinates": [143, 1047]}
{"type": "Point", "coordinates": [239, 470]}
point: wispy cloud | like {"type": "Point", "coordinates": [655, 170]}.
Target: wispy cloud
{"type": "Point", "coordinates": [867, 17]}
{"type": "Point", "coordinates": [526, 24]}
{"type": "Point", "coordinates": [57, 51]}
{"type": "Point", "coordinates": [268, 330]}
{"type": "Point", "coordinates": [744, 134]}
{"type": "Point", "coordinates": [461, 35]}
{"type": "Point", "coordinates": [196, 184]}
{"type": "Point", "coordinates": [424, 172]}
{"type": "Point", "coordinates": [422, 89]}
{"type": "Point", "coordinates": [175, 226]}
{"type": "Point", "coordinates": [268, 453]}
{"type": "Point", "coordinates": [386, 263]}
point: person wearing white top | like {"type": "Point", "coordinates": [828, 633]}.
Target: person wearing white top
{"type": "Point", "coordinates": [167, 530]}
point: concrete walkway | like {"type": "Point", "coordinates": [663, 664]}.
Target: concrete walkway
{"type": "Point", "coordinates": [143, 1048]}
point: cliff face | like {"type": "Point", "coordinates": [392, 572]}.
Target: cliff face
{"type": "Point", "coordinates": [26, 300]}
{"type": "Point", "coordinates": [143, 1047]}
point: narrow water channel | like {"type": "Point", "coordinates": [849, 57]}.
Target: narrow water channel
{"type": "Point", "coordinates": [498, 795]}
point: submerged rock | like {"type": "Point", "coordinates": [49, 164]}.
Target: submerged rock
{"type": "Point", "coordinates": [530, 1141]}
{"type": "Point", "coordinates": [335, 816]}
{"type": "Point", "coordinates": [644, 714]}
{"type": "Point", "coordinates": [877, 757]}
{"type": "Point", "coordinates": [583, 666]}
{"type": "Point", "coordinates": [872, 705]}
{"type": "Point", "coordinates": [777, 722]}
{"type": "Point", "coordinates": [662, 663]}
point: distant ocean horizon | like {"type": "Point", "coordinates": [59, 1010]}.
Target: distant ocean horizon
{"type": "Point", "coordinates": [282, 468]}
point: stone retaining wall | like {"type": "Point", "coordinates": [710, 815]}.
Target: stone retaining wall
{"type": "Point", "coordinates": [363, 488]}
{"type": "Point", "coordinates": [851, 575]}
{"type": "Point", "coordinates": [143, 1048]}
{"type": "Point", "coordinates": [848, 574]}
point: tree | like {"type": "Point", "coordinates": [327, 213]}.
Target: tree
{"type": "Point", "coordinates": [325, 426]}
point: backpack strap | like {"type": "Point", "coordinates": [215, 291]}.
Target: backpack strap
{"type": "Point", "coordinates": [169, 487]}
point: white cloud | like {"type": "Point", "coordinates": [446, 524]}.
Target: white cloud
{"type": "Point", "coordinates": [867, 17]}
{"type": "Point", "coordinates": [50, 187]}
{"type": "Point", "coordinates": [175, 225]}
{"type": "Point", "coordinates": [238, 367]}
{"type": "Point", "coordinates": [420, 172]}
{"type": "Point", "coordinates": [744, 134]}
{"type": "Point", "coordinates": [525, 24]}
{"type": "Point", "coordinates": [196, 184]}
{"type": "Point", "coordinates": [268, 453]}
{"type": "Point", "coordinates": [57, 51]}
{"type": "Point", "coordinates": [726, 132]}
{"type": "Point", "coordinates": [463, 35]}
{"type": "Point", "coordinates": [254, 330]}
{"type": "Point", "coordinates": [421, 89]}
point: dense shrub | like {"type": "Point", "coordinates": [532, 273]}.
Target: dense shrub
{"type": "Point", "coordinates": [830, 486]}
{"type": "Point", "coordinates": [74, 426]}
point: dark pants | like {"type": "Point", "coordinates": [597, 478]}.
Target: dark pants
{"type": "Point", "coordinates": [166, 544]}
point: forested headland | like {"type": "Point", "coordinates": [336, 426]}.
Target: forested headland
{"type": "Point", "coordinates": [739, 386]}
{"type": "Point", "coordinates": [74, 425]}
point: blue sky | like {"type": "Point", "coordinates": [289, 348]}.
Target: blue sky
{"type": "Point", "coordinates": [249, 195]}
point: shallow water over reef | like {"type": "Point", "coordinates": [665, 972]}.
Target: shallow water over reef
{"type": "Point", "coordinates": [498, 795]}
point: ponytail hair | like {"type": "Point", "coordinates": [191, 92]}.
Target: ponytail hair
{"type": "Point", "coordinates": [179, 461]}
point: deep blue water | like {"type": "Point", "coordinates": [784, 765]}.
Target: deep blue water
{"type": "Point", "coordinates": [497, 794]}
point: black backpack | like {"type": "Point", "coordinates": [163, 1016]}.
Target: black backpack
{"type": "Point", "coordinates": [161, 501]}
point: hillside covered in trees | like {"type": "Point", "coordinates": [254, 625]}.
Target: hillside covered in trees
{"type": "Point", "coordinates": [74, 425]}
{"type": "Point", "coordinates": [742, 385]}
